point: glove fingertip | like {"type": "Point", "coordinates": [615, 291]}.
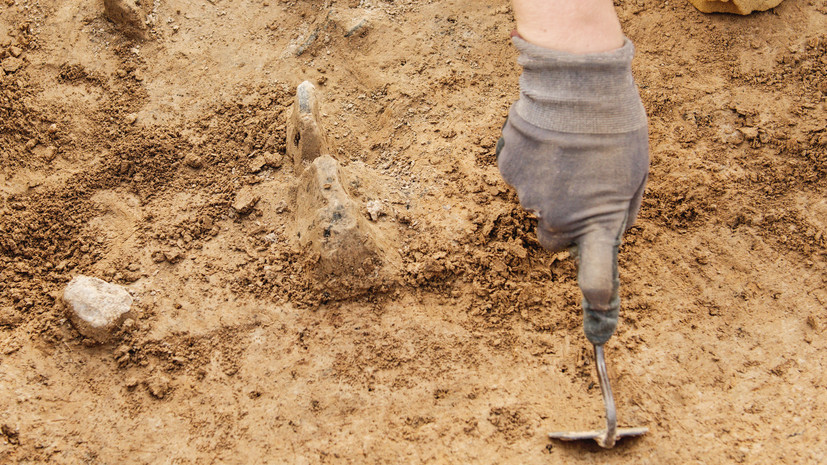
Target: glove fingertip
{"type": "Point", "coordinates": [599, 326]}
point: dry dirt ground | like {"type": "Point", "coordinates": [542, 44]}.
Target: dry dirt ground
{"type": "Point", "coordinates": [122, 158]}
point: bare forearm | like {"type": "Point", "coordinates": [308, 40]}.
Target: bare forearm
{"type": "Point", "coordinates": [576, 26]}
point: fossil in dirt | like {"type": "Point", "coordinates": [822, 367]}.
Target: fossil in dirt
{"type": "Point", "coordinates": [306, 139]}
{"type": "Point", "coordinates": [345, 253]}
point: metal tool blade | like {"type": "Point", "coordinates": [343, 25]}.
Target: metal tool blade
{"type": "Point", "coordinates": [606, 438]}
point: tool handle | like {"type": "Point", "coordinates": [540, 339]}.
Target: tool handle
{"type": "Point", "coordinates": [608, 441]}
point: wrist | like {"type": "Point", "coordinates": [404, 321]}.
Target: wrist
{"type": "Point", "coordinates": [582, 26]}
{"type": "Point", "coordinates": [580, 93]}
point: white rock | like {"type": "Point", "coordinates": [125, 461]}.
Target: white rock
{"type": "Point", "coordinates": [375, 209]}
{"type": "Point", "coordinates": [96, 308]}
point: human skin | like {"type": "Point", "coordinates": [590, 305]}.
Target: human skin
{"type": "Point", "coordinates": [574, 26]}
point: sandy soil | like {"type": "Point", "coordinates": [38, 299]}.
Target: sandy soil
{"type": "Point", "coordinates": [122, 158]}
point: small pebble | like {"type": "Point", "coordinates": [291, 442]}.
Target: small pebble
{"type": "Point", "coordinates": [273, 160]}
{"type": "Point", "coordinates": [245, 201]}
{"type": "Point", "coordinates": [193, 161]}
{"type": "Point", "coordinates": [173, 255]}
{"type": "Point", "coordinates": [257, 163]}
{"type": "Point", "coordinates": [12, 64]}
{"type": "Point", "coordinates": [375, 209]}
{"type": "Point", "coordinates": [50, 153]}
{"type": "Point", "coordinates": [158, 385]}
{"type": "Point", "coordinates": [734, 138]}
{"type": "Point", "coordinates": [359, 28]}
{"type": "Point", "coordinates": [749, 133]}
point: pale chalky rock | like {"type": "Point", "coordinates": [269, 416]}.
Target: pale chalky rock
{"type": "Point", "coordinates": [375, 209]}
{"type": "Point", "coordinates": [306, 138]}
{"type": "Point", "coordinates": [96, 308]}
{"type": "Point", "coordinates": [740, 7]}
{"type": "Point", "coordinates": [347, 255]}
{"type": "Point", "coordinates": [129, 15]}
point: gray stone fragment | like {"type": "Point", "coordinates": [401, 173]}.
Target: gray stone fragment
{"type": "Point", "coordinates": [308, 42]}
{"type": "Point", "coordinates": [129, 15]}
{"type": "Point", "coordinates": [306, 138]}
{"type": "Point", "coordinates": [281, 207]}
{"type": "Point", "coordinates": [96, 308]}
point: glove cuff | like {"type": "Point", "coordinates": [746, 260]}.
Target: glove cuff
{"type": "Point", "coordinates": [591, 93]}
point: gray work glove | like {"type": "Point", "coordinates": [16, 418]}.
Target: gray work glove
{"type": "Point", "coordinates": [575, 147]}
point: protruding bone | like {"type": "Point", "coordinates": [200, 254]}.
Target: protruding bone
{"type": "Point", "coordinates": [306, 138]}
{"type": "Point", "coordinates": [332, 229]}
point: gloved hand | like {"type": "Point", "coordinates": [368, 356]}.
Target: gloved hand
{"type": "Point", "coordinates": [575, 147]}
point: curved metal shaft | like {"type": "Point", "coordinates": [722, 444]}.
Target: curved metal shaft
{"type": "Point", "coordinates": [608, 440]}
{"type": "Point", "coordinates": [608, 437]}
